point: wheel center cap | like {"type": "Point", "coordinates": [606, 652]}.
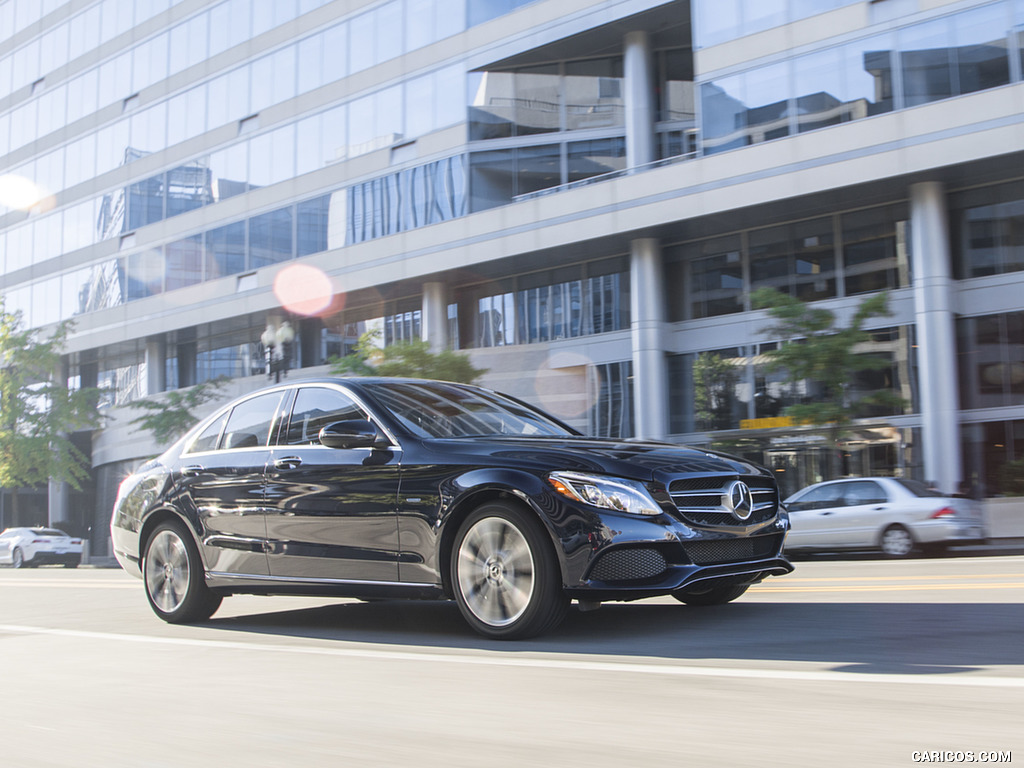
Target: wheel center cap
{"type": "Point", "coordinates": [495, 571]}
{"type": "Point", "coordinates": [168, 571]}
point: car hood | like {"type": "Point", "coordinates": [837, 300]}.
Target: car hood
{"type": "Point", "coordinates": [638, 460]}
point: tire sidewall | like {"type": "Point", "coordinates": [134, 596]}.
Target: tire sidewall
{"type": "Point", "coordinates": [548, 602]}
{"type": "Point", "coordinates": [905, 532]}
{"type": "Point", "coordinates": [195, 604]}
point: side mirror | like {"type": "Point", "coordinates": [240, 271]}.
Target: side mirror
{"type": "Point", "coordinates": [356, 433]}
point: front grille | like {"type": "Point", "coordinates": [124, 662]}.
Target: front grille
{"type": "Point", "coordinates": [699, 499]}
{"type": "Point", "coordinates": [714, 551]}
{"type": "Point", "coordinates": [629, 565]}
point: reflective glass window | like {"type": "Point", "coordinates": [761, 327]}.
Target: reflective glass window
{"type": "Point", "coordinates": [146, 202]}
{"type": "Point", "coordinates": [716, 277]}
{"type": "Point", "coordinates": [491, 179]}
{"type": "Point", "coordinates": [676, 95]}
{"type": "Point", "coordinates": [449, 106]}
{"type": "Point", "coordinates": [270, 238]}
{"type": "Point", "coordinates": [335, 53]}
{"type": "Point", "coordinates": [926, 62]}
{"type": "Point", "coordinates": [723, 114]}
{"type": "Point", "coordinates": [145, 274]}
{"type": "Point", "coordinates": [595, 158]}
{"type": "Point", "coordinates": [491, 101]}
{"type": "Point", "coordinates": [250, 421]}
{"type": "Point", "coordinates": [229, 170]}
{"type": "Point", "coordinates": [593, 94]}
{"type": "Point", "coordinates": [309, 65]}
{"type": "Point", "coordinates": [537, 100]}
{"type": "Point", "coordinates": [988, 230]}
{"type": "Point", "coordinates": [363, 40]}
{"type": "Point", "coordinates": [83, 95]}
{"type": "Point", "coordinates": [184, 259]}
{"type": "Point", "coordinates": [875, 249]}
{"type": "Point", "coordinates": [982, 48]}
{"type": "Point", "coordinates": [150, 63]}
{"type": "Point", "coordinates": [867, 77]}
{"type": "Point", "coordinates": [389, 23]}
{"type": "Point", "coordinates": [334, 136]}
{"type": "Point", "coordinates": [768, 103]}
{"type": "Point", "coordinates": [149, 129]}
{"type": "Point", "coordinates": [314, 409]}
{"type": "Point", "coordinates": [311, 220]}
{"type": "Point", "coordinates": [538, 168]}
{"type": "Point", "coordinates": [225, 248]}
{"type": "Point", "coordinates": [188, 187]}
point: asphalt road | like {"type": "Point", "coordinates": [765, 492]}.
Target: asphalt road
{"type": "Point", "coordinates": [862, 663]}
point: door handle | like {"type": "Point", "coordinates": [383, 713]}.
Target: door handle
{"type": "Point", "coordinates": [192, 470]}
{"type": "Point", "coordinates": [288, 463]}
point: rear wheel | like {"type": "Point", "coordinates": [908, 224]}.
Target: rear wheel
{"type": "Point", "coordinates": [715, 596]}
{"type": "Point", "coordinates": [173, 575]}
{"type": "Point", "coordinates": [505, 574]}
{"type": "Point", "coordinates": [17, 559]}
{"type": "Point", "coordinates": [896, 541]}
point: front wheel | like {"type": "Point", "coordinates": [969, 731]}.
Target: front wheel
{"type": "Point", "coordinates": [719, 595]}
{"type": "Point", "coordinates": [173, 576]}
{"type": "Point", "coordinates": [17, 559]}
{"type": "Point", "coordinates": [505, 574]}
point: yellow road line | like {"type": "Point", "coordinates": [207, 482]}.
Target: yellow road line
{"type": "Point", "coordinates": [791, 579]}
{"type": "Point", "coordinates": [887, 588]}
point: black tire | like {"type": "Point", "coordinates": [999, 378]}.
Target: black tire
{"type": "Point", "coordinates": [720, 595]}
{"type": "Point", "coordinates": [505, 575]}
{"type": "Point", "coordinates": [173, 576]}
{"type": "Point", "coordinates": [896, 541]}
{"type": "Point", "coordinates": [17, 558]}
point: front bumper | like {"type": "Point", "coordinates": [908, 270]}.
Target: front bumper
{"type": "Point", "coordinates": [627, 557]}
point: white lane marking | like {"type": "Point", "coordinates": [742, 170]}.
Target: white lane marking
{"type": "Point", "coordinates": [668, 670]}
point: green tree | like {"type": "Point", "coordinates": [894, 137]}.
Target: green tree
{"type": "Point", "coordinates": [714, 384]}
{"type": "Point", "coordinates": [170, 416]}
{"type": "Point", "coordinates": [38, 410]}
{"type": "Point", "coordinates": [817, 351]}
{"type": "Point", "coordinates": [406, 358]}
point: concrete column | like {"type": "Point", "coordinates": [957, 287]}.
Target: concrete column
{"type": "Point", "coordinates": [936, 336]}
{"type": "Point", "coordinates": [57, 506]}
{"type": "Point", "coordinates": [638, 71]}
{"type": "Point", "coordinates": [156, 368]}
{"type": "Point", "coordinates": [647, 310]}
{"type": "Point", "coordinates": [434, 318]}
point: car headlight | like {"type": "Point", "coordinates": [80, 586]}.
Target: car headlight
{"type": "Point", "coordinates": [613, 493]}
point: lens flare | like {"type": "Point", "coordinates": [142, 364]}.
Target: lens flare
{"type": "Point", "coordinates": [303, 289]}
{"type": "Point", "coordinates": [20, 193]}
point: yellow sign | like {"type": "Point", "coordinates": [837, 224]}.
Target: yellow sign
{"type": "Point", "coordinates": [773, 422]}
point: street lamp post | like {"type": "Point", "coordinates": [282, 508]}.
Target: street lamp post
{"type": "Point", "coordinates": [279, 339]}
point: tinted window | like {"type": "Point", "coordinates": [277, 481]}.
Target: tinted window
{"type": "Point", "coordinates": [314, 409]}
{"type": "Point", "coordinates": [819, 498]}
{"type": "Point", "coordinates": [863, 492]}
{"type": "Point", "coordinates": [207, 439]}
{"type": "Point", "coordinates": [444, 410]}
{"type": "Point", "coordinates": [250, 422]}
{"type": "Point", "coordinates": [919, 489]}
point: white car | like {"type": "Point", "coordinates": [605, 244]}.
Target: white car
{"type": "Point", "coordinates": [26, 547]}
{"type": "Point", "coordinates": [894, 515]}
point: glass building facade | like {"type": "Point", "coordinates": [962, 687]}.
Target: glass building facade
{"type": "Point", "coordinates": [176, 176]}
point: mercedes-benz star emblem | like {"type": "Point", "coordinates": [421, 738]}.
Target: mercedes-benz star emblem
{"type": "Point", "coordinates": [738, 500]}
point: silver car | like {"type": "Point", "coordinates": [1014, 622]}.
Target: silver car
{"type": "Point", "coordinates": [27, 547]}
{"type": "Point", "coordinates": [893, 515]}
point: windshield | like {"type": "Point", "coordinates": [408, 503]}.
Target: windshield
{"type": "Point", "coordinates": [436, 409]}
